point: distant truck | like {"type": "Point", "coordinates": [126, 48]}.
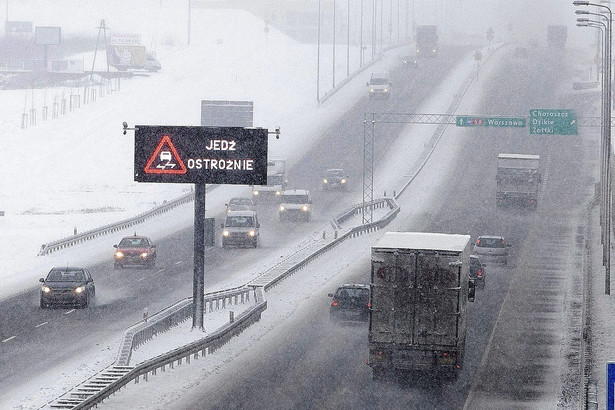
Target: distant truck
{"type": "Point", "coordinates": [426, 41]}
{"type": "Point", "coordinates": [276, 182]}
{"type": "Point", "coordinates": [518, 179]}
{"type": "Point", "coordinates": [556, 37]}
{"type": "Point", "coordinates": [131, 57]}
{"type": "Point", "coordinates": [420, 287]}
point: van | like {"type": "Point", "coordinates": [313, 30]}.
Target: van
{"type": "Point", "coordinates": [240, 228]}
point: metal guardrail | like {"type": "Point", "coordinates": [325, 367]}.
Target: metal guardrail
{"type": "Point", "coordinates": [205, 346]}
{"type": "Point", "coordinates": [53, 246]}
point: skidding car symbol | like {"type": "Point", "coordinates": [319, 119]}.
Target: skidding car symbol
{"type": "Point", "coordinates": [167, 158]}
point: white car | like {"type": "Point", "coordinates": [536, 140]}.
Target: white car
{"type": "Point", "coordinates": [295, 204]}
{"type": "Point", "coordinates": [494, 248]}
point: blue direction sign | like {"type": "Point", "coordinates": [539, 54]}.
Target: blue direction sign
{"type": "Point", "coordinates": [466, 121]}
{"type": "Point", "coordinates": [610, 387]}
{"type": "Point", "coordinates": [553, 121]}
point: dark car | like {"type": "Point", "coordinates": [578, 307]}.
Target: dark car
{"type": "Point", "coordinates": [67, 286]}
{"type": "Point", "coordinates": [335, 179]}
{"type": "Point", "coordinates": [477, 270]}
{"type": "Point", "coordinates": [135, 251]}
{"type": "Point", "coordinates": [350, 302]}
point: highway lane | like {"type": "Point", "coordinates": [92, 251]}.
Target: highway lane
{"type": "Point", "coordinates": [515, 336]}
{"type": "Point", "coordinates": [57, 334]}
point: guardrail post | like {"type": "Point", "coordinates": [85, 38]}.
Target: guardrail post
{"type": "Point", "coordinates": [231, 316]}
{"type": "Point", "coordinates": [145, 314]}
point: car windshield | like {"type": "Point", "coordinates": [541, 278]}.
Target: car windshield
{"type": "Point", "coordinates": [239, 221]}
{"type": "Point", "coordinates": [133, 243]}
{"type": "Point", "coordinates": [335, 173]}
{"type": "Point", "coordinates": [274, 179]}
{"type": "Point", "coordinates": [241, 201]}
{"type": "Point", "coordinates": [295, 199]}
{"type": "Point", "coordinates": [63, 275]}
{"type": "Point", "coordinates": [343, 293]}
{"type": "Point", "coordinates": [490, 243]}
{"type": "Point", "coordinates": [378, 81]}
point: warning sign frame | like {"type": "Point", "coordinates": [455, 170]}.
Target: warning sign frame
{"type": "Point", "coordinates": [193, 154]}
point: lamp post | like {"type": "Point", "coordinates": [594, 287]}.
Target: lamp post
{"type": "Point", "coordinates": [606, 138]}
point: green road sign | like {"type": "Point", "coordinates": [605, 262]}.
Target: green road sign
{"type": "Point", "coordinates": [490, 122]}
{"type": "Point", "coordinates": [553, 121]}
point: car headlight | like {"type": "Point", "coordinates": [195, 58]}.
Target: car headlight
{"type": "Point", "coordinates": [305, 208]}
{"type": "Point", "coordinates": [119, 254]}
{"type": "Point", "coordinates": [144, 255]}
{"type": "Point", "coordinates": [278, 193]}
{"type": "Point", "coordinates": [371, 90]}
{"type": "Point", "coordinates": [225, 232]}
{"type": "Point", "coordinates": [343, 181]}
{"type": "Point", "coordinates": [324, 181]}
{"type": "Point", "coordinates": [80, 289]}
{"type": "Point", "coordinates": [251, 233]}
{"type": "Point", "coordinates": [386, 90]}
{"type": "Point", "coordinates": [254, 192]}
{"type": "Point", "coordinates": [282, 209]}
{"type": "Point", "coordinates": [46, 289]}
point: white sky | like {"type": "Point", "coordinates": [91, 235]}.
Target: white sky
{"type": "Point", "coordinates": [75, 171]}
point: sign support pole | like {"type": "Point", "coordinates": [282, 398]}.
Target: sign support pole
{"type": "Point", "coordinates": [198, 287]}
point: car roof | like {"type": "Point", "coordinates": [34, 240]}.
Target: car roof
{"type": "Point", "coordinates": [241, 213]}
{"type": "Point", "coordinates": [136, 237]}
{"type": "Point", "coordinates": [296, 192]}
{"type": "Point", "coordinates": [491, 237]}
{"type": "Point", "coordinates": [335, 170]}
{"type": "Point", "coordinates": [242, 198]}
{"type": "Point", "coordinates": [67, 268]}
{"type": "Point", "coordinates": [353, 285]}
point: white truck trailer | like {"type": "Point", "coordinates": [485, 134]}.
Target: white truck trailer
{"type": "Point", "coordinates": [420, 287]}
{"type": "Point", "coordinates": [518, 179]}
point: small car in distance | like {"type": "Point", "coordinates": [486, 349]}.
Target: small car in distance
{"type": "Point", "coordinates": [240, 204]}
{"type": "Point", "coordinates": [67, 286]}
{"type": "Point", "coordinates": [335, 178]}
{"type": "Point", "coordinates": [477, 270]}
{"type": "Point", "coordinates": [492, 248]}
{"type": "Point", "coordinates": [295, 204]}
{"type": "Point", "coordinates": [135, 250]}
{"type": "Point", "coordinates": [350, 302]}
{"type": "Point", "coordinates": [379, 85]}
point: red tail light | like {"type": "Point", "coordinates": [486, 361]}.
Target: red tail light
{"type": "Point", "coordinates": [480, 272]}
{"type": "Point", "coordinates": [334, 303]}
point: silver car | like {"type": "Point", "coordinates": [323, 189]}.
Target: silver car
{"type": "Point", "coordinates": [493, 248]}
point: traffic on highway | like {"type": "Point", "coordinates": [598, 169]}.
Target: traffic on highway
{"type": "Point", "coordinates": [409, 244]}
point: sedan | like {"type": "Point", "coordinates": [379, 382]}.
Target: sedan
{"type": "Point", "coordinates": [135, 251]}
{"type": "Point", "coordinates": [350, 302]}
{"type": "Point", "coordinates": [492, 248]}
{"type": "Point", "coordinates": [335, 179]}
{"type": "Point", "coordinates": [67, 286]}
{"type": "Point", "coordinates": [240, 204]}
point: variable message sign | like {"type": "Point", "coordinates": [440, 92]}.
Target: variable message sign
{"type": "Point", "coordinates": [211, 155]}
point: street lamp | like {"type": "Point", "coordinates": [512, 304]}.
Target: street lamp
{"type": "Point", "coordinates": [606, 138]}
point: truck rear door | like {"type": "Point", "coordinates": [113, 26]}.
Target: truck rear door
{"type": "Point", "coordinates": [438, 291]}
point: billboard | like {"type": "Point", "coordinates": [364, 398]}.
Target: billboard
{"type": "Point", "coordinates": [48, 36]}
{"type": "Point", "coordinates": [191, 154]}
